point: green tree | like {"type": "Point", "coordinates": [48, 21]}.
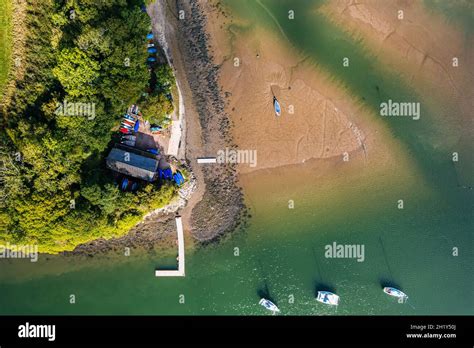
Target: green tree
{"type": "Point", "coordinates": [76, 72]}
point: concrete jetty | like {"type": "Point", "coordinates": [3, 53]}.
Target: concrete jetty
{"type": "Point", "coordinates": [180, 271]}
{"type": "Point", "coordinates": [206, 160]}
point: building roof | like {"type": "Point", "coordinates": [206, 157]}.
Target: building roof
{"type": "Point", "coordinates": [132, 164]}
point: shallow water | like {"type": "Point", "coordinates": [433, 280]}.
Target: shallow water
{"type": "Point", "coordinates": [281, 253]}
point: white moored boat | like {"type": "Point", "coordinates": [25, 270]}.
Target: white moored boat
{"type": "Point", "coordinates": [328, 298]}
{"type": "Point", "coordinates": [269, 305]}
{"type": "Point", "coordinates": [395, 292]}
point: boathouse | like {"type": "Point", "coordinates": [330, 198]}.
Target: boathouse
{"type": "Point", "coordinates": [133, 162]}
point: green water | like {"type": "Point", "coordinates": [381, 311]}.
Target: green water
{"type": "Point", "coordinates": [281, 253]}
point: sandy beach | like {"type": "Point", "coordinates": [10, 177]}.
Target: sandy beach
{"type": "Point", "coordinates": [318, 121]}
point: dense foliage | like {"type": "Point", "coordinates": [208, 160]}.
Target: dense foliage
{"type": "Point", "coordinates": [55, 189]}
{"type": "Point", "coordinates": [157, 105]}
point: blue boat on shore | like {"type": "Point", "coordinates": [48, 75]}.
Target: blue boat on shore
{"type": "Point", "coordinates": [178, 178]}
{"type": "Point", "coordinates": [277, 107]}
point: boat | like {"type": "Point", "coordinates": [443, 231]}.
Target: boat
{"type": "Point", "coordinates": [124, 184]}
{"type": "Point", "coordinates": [178, 178]}
{"type": "Point", "coordinates": [395, 292]}
{"type": "Point", "coordinates": [129, 137]}
{"type": "Point", "coordinates": [137, 126]}
{"type": "Point", "coordinates": [130, 123]}
{"type": "Point", "coordinates": [269, 305]}
{"type": "Point", "coordinates": [125, 130]}
{"type": "Point", "coordinates": [277, 107]}
{"type": "Point", "coordinates": [328, 298]}
{"type": "Point", "coordinates": [155, 128]}
{"type": "Point", "coordinates": [153, 151]}
{"type": "Point", "coordinates": [134, 109]}
{"type": "Point", "coordinates": [128, 117]}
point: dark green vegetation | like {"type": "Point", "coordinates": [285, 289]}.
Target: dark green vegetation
{"type": "Point", "coordinates": [5, 40]}
{"type": "Point", "coordinates": [56, 192]}
{"type": "Point", "coordinates": [158, 103]}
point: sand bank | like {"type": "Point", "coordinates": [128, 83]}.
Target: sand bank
{"type": "Point", "coordinates": [318, 118]}
{"type": "Point", "coordinates": [321, 123]}
{"type": "Point", "coordinates": [420, 46]}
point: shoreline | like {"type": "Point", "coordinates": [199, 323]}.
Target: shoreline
{"type": "Point", "coordinates": [220, 208]}
{"type": "Point", "coordinates": [211, 202]}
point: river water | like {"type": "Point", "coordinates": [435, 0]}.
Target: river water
{"type": "Point", "coordinates": [424, 249]}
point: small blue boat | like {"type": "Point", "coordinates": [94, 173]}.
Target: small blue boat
{"type": "Point", "coordinates": [178, 178]}
{"type": "Point", "coordinates": [152, 50]}
{"type": "Point", "coordinates": [124, 184]}
{"type": "Point", "coordinates": [166, 174]}
{"type": "Point", "coordinates": [277, 107]}
{"type": "Point", "coordinates": [137, 125]}
{"type": "Point", "coordinates": [151, 59]}
{"type": "Point", "coordinates": [149, 36]}
{"type": "Point", "coordinates": [153, 151]}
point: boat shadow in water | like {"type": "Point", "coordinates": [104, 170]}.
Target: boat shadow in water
{"type": "Point", "coordinates": [319, 283]}
{"type": "Point", "coordinates": [384, 282]}
{"type": "Point", "coordinates": [264, 292]}
{"type": "Point", "coordinates": [320, 286]}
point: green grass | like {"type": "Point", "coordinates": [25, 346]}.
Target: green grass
{"type": "Point", "coordinates": [5, 41]}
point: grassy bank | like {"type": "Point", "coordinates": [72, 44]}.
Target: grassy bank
{"type": "Point", "coordinates": [5, 41]}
